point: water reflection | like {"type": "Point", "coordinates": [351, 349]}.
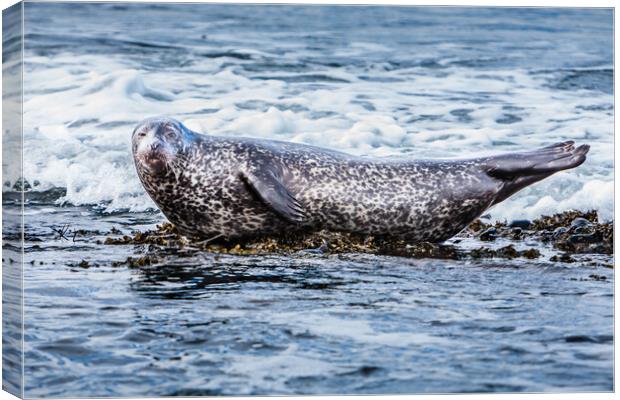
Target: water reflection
{"type": "Point", "coordinates": [202, 274]}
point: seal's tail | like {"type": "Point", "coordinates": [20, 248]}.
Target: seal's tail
{"type": "Point", "coordinates": [518, 170]}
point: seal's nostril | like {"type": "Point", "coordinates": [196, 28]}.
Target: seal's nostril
{"type": "Point", "coordinates": [155, 146]}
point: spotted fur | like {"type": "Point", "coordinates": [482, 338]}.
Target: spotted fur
{"type": "Point", "coordinates": [208, 187]}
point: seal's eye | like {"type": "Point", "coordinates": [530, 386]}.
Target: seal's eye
{"type": "Point", "coordinates": [170, 134]}
{"type": "Point", "coordinates": [141, 134]}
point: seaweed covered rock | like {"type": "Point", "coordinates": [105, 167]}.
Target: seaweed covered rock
{"type": "Point", "coordinates": [508, 252]}
{"type": "Point", "coordinates": [576, 232]}
{"type": "Point", "coordinates": [570, 232]}
{"type": "Point", "coordinates": [419, 250]}
{"type": "Point", "coordinates": [165, 240]}
{"type": "Point", "coordinates": [564, 219]}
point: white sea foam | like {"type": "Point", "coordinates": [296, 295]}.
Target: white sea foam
{"type": "Point", "coordinates": [356, 330]}
{"type": "Point", "coordinates": [80, 111]}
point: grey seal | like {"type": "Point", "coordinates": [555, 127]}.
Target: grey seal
{"type": "Point", "coordinates": [215, 187]}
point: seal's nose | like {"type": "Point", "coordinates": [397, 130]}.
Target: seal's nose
{"type": "Point", "coordinates": [155, 146]}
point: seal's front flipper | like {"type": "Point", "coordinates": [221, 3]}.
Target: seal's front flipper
{"type": "Point", "coordinates": [519, 170]}
{"type": "Point", "coordinates": [268, 186]}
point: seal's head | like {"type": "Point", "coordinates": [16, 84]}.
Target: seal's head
{"type": "Point", "coordinates": [157, 142]}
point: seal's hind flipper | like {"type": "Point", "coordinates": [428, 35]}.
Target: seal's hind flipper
{"type": "Point", "coordinates": [547, 160]}
{"type": "Point", "coordinates": [518, 170]}
{"type": "Point", "coordinates": [269, 188]}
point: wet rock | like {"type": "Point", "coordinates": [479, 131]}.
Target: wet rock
{"type": "Point", "coordinates": [564, 257]}
{"type": "Point", "coordinates": [576, 232]}
{"type": "Point", "coordinates": [488, 235]}
{"type": "Point", "coordinates": [580, 222]}
{"type": "Point", "coordinates": [482, 252]}
{"type": "Point", "coordinates": [420, 250]}
{"type": "Point", "coordinates": [557, 232]}
{"type": "Point", "coordinates": [600, 248]}
{"type": "Point", "coordinates": [520, 223]}
{"type": "Point", "coordinates": [530, 253]}
{"type": "Point", "coordinates": [516, 233]}
{"type": "Point", "coordinates": [507, 252]}
{"type": "Point", "coordinates": [598, 239]}
{"type": "Point", "coordinates": [581, 239]}
{"type": "Point", "coordinates": [324, 248]}
{"type": "Point", "coordinates": [478, 226]}
{"type": "Point", "coordinates": [562, 219]}
{"type": "Point", "coordinates": [581, 230]}
{"type": "Point", "coordinates": [141, 262]}
{"type": "Point", "coordinates": [82, 264]}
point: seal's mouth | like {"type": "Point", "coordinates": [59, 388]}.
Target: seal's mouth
{"type": "Point", "coordinates": [154, 161]}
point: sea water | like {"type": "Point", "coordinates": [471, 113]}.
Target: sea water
{"type": "Point", "coordinates": [410, 82]}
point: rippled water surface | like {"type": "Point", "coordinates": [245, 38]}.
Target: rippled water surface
{"type": "Point", "coordinates": [308, 323]}
{"type": "Point", "coordinates": [411, 82]}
